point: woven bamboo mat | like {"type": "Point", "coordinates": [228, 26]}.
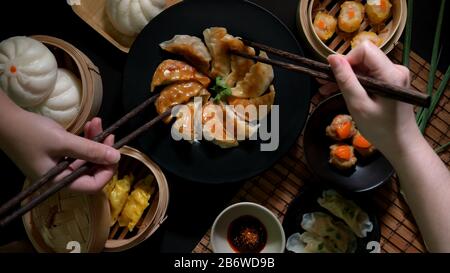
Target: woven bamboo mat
{"type": "Point", "coordinates": [278, 186]}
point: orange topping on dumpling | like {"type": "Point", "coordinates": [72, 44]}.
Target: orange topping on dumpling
{"type": "Point", "coordinates": [343, 152]}
{"type": "Point", "coordinates": [344, 129]}
{"type": "Point", "coordinates": [321, 24]}
{"type": "Point", "coordinates": [351, 13]}
{"type": "Point", "coordinates": [360, 142]}
{"type": "Point", "coordinates": [383, 5]}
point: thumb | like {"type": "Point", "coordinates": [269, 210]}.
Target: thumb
{"type": "Point", "coordinates": [346, 79]}
{"type": "Point", "coordinates": [82, 148]}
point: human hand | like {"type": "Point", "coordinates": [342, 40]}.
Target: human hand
{"type": "Point", "coordinates": [36, 144]}
{"type": "Point", "coordinates": [390, 125]}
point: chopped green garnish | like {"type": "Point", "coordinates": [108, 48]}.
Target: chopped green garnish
{"type": "Point", "coordinates": [221, 89]}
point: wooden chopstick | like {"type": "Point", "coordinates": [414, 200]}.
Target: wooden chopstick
{"type": "Point", "coordinates": [323, 71]}
{"type": "Point", "coordinates": [80, 171]}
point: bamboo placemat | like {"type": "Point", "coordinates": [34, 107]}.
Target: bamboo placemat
{"type": "Point", "coordinates": [278, 186]}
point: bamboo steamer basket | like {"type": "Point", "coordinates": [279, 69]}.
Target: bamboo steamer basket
{"type": "Point", "coordinates": [390, 31]}
{"type": "Point", "coordinates": [93, 12]}
{"type": "Point", "coordinates": [69, 217]}
{"type": "Point", "coordinates": [69, 57]}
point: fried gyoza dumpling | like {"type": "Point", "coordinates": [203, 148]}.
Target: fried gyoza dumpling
{"type": "Point", "coordinates": [256, 81]}
{"type": "Point", "coordinates": [366, 35]}
{"type": "Point", "coordinates": [239, 65]}
{"type": "Point", "coordinates": [191, 48]}
{"type": "Point", "coordinates": [118, 196]}
{"type": "Point", "coordinates": [357, 219]}
{"type": "Point", "coordinates": [378, 10]}
{"type": "Point", "coordinates": [183, 127]}
{"type": "Point", "coordinates": [324, 25]}
{"type": "Point", "coordinates": [218, 49]}
{"type": "Point", "coordinates": [323, 225]}
{"type": "Point", "coordinates": [214, 130]}
{"type": "Point", "coordinates": [136, 203]}
{"type": "Point", "coordinates": [342, 156]}
{"type": "Point", "coordinates": [178, 93]}
{"type": "Point", "coordinates": [171, 71]}
{"type": "Point", "coordinates": [267, 99]}
{"type": "Point", "coordinates": [350, 16]}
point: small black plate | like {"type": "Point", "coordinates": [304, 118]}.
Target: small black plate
{"type": "Point", "coordinates": [206, 162]}
{"type": "Point", "coordinates": [368, 174]}
{"type": "Point", "coordinates": [306, 202]}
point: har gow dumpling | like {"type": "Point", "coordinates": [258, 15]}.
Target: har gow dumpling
{"type": "Point", "coordinates": [191, 48]}
{"type": "Point", "coordinates": [347, 210]}
{"type": "Point", "coordinates": [28, 70]}
{"type": "Point", "coordinates": [129, 17]}
{"type": "Point", "coordinates": [63, 105]}
{"type": "Point", "coordinates": [256, 81]}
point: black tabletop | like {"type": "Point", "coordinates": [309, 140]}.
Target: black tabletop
{"type": "Point", "coordinates": [193, 207]}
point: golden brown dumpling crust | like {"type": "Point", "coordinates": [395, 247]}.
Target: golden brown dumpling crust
{"type": "Point", "coordinates": [221, 63]}
{"type": "Point", "coordinates": [171, 71]}
{"type": "Point", "coordinates": [267, 99]}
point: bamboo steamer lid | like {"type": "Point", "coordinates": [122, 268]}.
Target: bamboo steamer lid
{"type": "Point", "coordinates": [69, 217]}
{"type": "Point", "coordinates": [340, 42]}
{"type": "Point", "coordinates": [69, 57]}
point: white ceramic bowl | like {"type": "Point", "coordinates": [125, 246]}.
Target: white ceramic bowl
{"type": "Point", "coordinates": [276, 239]}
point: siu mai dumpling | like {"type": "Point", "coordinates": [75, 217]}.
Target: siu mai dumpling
{"type": "Point", "coordinates": [338, 233]}
{"type": "Point", "coordinates": [342, 156]}
{"type": "Point", "coordinates": [137, 203]}
{"type": "Point", "coordinates": [324, 25]}
{"type": "Point", "coordinates": [239, 66]}
{"type": "Point", "coordinates": [350, 16]}
{"type": "Point", "coordinates": [171, 71]}
{"type": "Point", "coordinates": [244, 107]}
{"type": "Point", "coordinates": [118, 196]}
{"type": "Point", "coordinates": [256, 81]}
{"type": "Point", "coordinates": [362, 145]}
{"type": "Point", "coordinates": [357, 219]}
{"type": "Point", "coordinates": [341, 128]}
{"type": "Point", "coordinates": [191, 48]}
{"type": "Point", "coordinates": [178, 93]}
{"type": "Point", "coordinates": [221, 62]}
{"type": "Point", "coordinates": [378, 11]}
{"type": "Point", "coordinates": [366, 35]}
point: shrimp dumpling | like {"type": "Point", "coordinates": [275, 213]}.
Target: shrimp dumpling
{"type": "Point", "coordinates": [178, 93]}
{"type": "Point", "coordinates": [350, 16]}
{"type": "Point", "coordinates": [378, 11]}
{"type": "Point", "coordinates": [136, 203]}
{"type": "Point", "coordinates": [357, 219]}
{"type": "Point", "coordinates": [191, 48]}
{"type": "Point", "coordinates": [256, 81]}
{"type": "Point", "coordinates": [221, 62]}
{"type": "Point", "coordinates": [366, 35]}
{"type": "Point", "coordinates": [118, 196]}
{"type": "Point", "coordinates": [171, 71]}
{"type": "Point", "coordinates": [324, 25]}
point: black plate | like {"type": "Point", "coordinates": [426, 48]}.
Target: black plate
{"type": "Point", "coordinates": [368, 174]}
{"type": "Point", "coordinates": [206, 162]}
{"type": "Point", "coordinates": [306, 202]}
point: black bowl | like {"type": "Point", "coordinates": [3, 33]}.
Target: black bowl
{"type": "Point", "coordinates": [368, 174]}
{"type": "Point", "coordinates": [306, 202]}
{"type": "Point", "coordinates": [206, 162]}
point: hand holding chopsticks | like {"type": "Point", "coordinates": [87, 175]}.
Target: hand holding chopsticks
{"type": "Point", "coordinates": [323, 71]}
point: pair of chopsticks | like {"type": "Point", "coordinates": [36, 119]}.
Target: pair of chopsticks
{"type": "Point", "coordinates": [64, 164]}
{"type": "Point", "coordinates": [323, 71]}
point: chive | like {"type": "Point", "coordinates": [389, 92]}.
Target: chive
{"type": "Point", "coordinates": [433, 66]}
{"type": "Point", "coordinates": [442, 148]}
{"type": "Point", "coordinates": [435, 100]}
{"type": "Point", "coordinates": [407, 42]}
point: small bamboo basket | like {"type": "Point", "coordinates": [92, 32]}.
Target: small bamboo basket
{"type": "Point", "coordinates": [69, 57]}
{"type": "Point", "coordinates": [390, 31]}
{"type": "Point", "coordinates": [93, 12]}
{"type": "Point", "coordinates": [69, 218]}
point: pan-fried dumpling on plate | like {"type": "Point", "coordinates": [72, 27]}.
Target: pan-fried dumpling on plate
{"type": "Point", "coordinates": [171, 71]}
{"type": "Point", "coordinates": [191, 48]}
{"type": "Point", "coordinates": [357, 219]}
{"type": "Point", "coordinates": [256, 81]}
{"type": "Point", "coordinates": [183, 127]}
{"type": "Point", "coordinates": [309, 242]}
{"type": "Point", "coordinates": [178, 93]}
{"type": "Point", "coordinates": [221, 63]}
{"type": "Point", "coordinates": [244, 112]}
{"type": "Point", "coordinates": [213, 116]}
{"type": "Point", "coordinates": [239, 65]}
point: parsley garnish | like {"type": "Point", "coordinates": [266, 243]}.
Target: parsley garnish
{"type": "Point", "coordinates": [221, 89]}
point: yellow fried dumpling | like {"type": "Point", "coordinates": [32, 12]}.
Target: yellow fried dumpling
{"type": "Point", "coordinates": [107, 189]}
{"type": "Point", "coordinates": [350, 16]}
{"type": "Point", "coordinates": [119, 195]}
{"type": "Point", "coordinates": [378, 10]}
{"type": "Point", "coordinates": [137, 202]}
{"type": "Point", "coordinates": [324, 25]}
{"type": "Point", "coordinates": [366, 35]}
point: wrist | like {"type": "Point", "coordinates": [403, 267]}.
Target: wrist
{"type": "Point", "coordinates": [409, 143]}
